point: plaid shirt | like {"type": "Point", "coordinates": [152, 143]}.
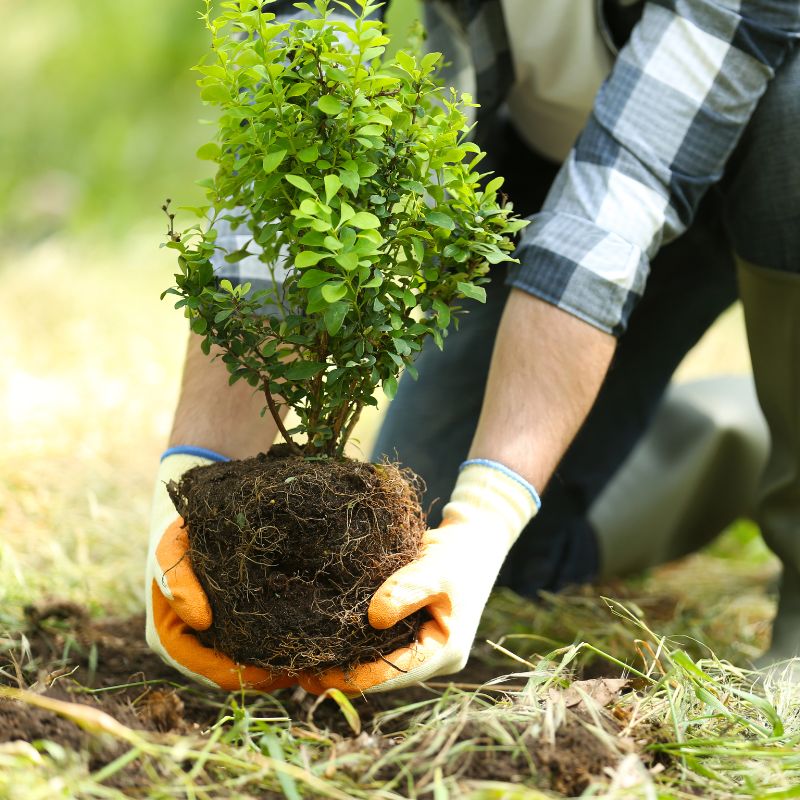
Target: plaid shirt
{"type": "Point", "coordinates": [662, 129]}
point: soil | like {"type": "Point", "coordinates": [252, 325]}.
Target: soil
{"type": "Point", "coordinates": [575, 758]}
{"type": "Point", "coordinates": [291, 550]}
{"type": "Point", "coordinates": [568, 765]}
{"type": "Point", "coordinates": [21, 721]}
{"type": "Point", "coordinates": [68, 654]}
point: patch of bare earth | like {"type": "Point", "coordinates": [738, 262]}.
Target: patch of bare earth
{"type": "Point", "coordinates": [66, 654]}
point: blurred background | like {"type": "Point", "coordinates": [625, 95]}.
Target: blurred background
{"type": "Point", "coordinates": [99, 125]}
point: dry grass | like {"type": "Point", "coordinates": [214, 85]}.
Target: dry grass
{"type": "Point", "coordinates": [88, 390]}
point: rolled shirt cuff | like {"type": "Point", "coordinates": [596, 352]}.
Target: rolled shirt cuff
{"type": "Point", "coordinates": [581, 268]}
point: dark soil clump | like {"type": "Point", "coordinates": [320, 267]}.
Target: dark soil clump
{"type": "Point", "coordinates": [290, 551]}
{"type": "Point", "coordinates": [577, 758]}
{"type": "Point", "coordinates": [30, 724]}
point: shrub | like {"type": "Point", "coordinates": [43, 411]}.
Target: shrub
{"type": "Point", "coordinates": [354, 176]}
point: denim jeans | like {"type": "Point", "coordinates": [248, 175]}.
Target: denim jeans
{"type": "Point", "coordinates": [754, 210]}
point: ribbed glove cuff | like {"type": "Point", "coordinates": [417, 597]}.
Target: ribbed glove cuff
{"type": "Point", "coordinates": [489, 488]}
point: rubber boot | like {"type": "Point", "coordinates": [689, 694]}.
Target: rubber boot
{"type": "Point", "coordinates": [771, 301]}
{"type": "Point", "coordinates": [695, 471]}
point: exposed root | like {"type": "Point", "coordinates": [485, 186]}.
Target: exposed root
{"type": "Point", "coordinates": [290, 552]}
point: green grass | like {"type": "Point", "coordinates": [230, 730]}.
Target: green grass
{"type": "Point", "coordinates": [679, 728]}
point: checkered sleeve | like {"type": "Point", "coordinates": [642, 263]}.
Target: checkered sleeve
{"type": "Point", "coordinates": [662, 128]}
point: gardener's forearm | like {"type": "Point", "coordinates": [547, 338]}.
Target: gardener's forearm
{"type": "Point", "coordinates": [212, 414]}
{"type": "Point", "coordinates": [546, 371]}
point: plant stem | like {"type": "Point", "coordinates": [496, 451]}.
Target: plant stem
{"type": "Point", "coordinates": [315, 395]}
{"type": "Point", "coordinates": [273, 410]}
{"type": "Point", "coordinates": [349, 429]}
{"type": "Point", "coordinates": [336, 428]}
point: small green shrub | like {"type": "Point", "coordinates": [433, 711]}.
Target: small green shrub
{"type": "Point", "coordinates": [361, 170]}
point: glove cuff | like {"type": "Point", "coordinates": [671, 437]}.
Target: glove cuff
{"type": "Point", "coordinates": [491, 489]}
{"type": "Point", "coordinates": [174, 462]}
{"type": "Point", "coordinates": [190, 450]}
{"type": "Point", "coordinates": [516, 477]}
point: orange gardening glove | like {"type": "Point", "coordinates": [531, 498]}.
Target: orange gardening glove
{"type": "Point", "coordinates": [452, 577]}
{"type": "Point", "coordinates": [176, 603]}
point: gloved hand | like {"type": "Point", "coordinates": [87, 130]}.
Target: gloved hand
{"type": "Point", "coordinates": [176, 603]}
{"type": "Point", "coordinates": [452, 577]}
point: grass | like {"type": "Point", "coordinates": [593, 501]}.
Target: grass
{"type": "Point", "coordinates": [88, 388]}
{"type": "Point", "coordinates": [688, 728]}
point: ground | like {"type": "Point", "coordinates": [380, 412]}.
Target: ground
{"type": "Point", "coordinates": [630, 690]}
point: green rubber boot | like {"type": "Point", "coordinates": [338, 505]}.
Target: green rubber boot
{"type": "Point", "coordinates": [772, 315]}
{"type": "Point", "coordinates": [696, 470]}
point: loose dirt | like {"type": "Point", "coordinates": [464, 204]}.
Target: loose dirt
{"type": "Point", "coordinates": [290, 551]}
{"type": "Point", "coordinates": [69, 657]}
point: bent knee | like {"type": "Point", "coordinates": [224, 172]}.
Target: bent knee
{"type": "Point", "coordinates": [726, 408]}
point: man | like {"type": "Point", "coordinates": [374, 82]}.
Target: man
{"type": "Point", "coordinates": [694, 131]}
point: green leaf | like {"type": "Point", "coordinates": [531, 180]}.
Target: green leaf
{"type": "Point", "coordinates": [310, 206]}
{"type": "Point", "coordinates": [334, 317]}
{"type": "Point", "coordinates": [332, 185]}
{"type": "Point", "coordinates": [237, 255]}
{"type": "Point", "coordinates": [309, 154]}
{"type": "Point", "coordinates": [302, 370]}
{"type": "Point", "coordinates": [373, 52]}
{"type": "Point", "coordinates": [330, 105]}
{"type": "Point", "coordinates": [308, 258]}
{"type": "Point", "coordinates": [273, 160]}
{"type": "Point", "coordinates": [402, 347]}
{"type": "Point", "coordinates": [300, 183]}
{"type": "Point", "coordinates": [215, 93]}
{"type": "Point", "coordinates": [298, 89]}
{"type": "Point", "coordinates": [442, 312]}
{"type": "Point", "coordinates": [249, 58]}
{"type": "Point", "coordinates": [374, 282]}
{"type": "Point", "coordinates": [364, 221]}
{"type": "Point", "coordinates": [473, 292]}
{"type": "Point", "coordinates": [370, 130]}
{"type": "Point", "coordinates": [494, 185]}
{"type": "Point", "coordinates": [458, 254]}
{"type": "Point", "coordinates": [348, 261]}
{"type": "Point", "coordinates": [366, 169]}
{"type": "Point", "coordinates": [221, 316]}
{"type": "Point", "coordinates": [346, 213]}
{"type": "Point", "coordinates": [440, 220]}
{"type": "Point", "coordinates": [333, 291]}
{"type": "Point", "coordinates": [390, 387]}
{"type": "Point", "coordinates": [413, 186]}
{"type": "Point", "coordinates": [199, 325]}
{"type": "Point", "coordinates": [429, 60]}
{"type": "Point", "coordinates": [313, 277]}
{"type": "Point", "coordinates": [351, 180]}
{"type": "Point", "coordinates": [208, 152]}
{"type": "Point", "coordinates": [406, 61]}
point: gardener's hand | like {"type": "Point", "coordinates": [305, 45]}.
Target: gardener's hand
{"type": "Point", "coordinates": [177, 605]}
{"type": "Point", "coordinates": [452, 578]}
